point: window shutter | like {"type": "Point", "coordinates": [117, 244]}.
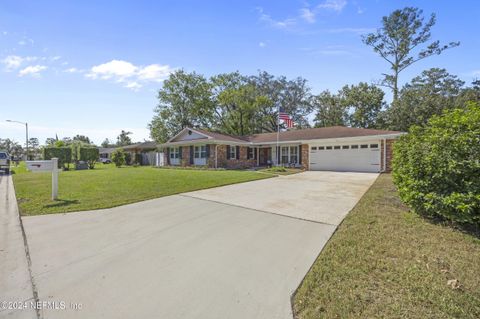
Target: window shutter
{"type": "Point", "coordinates": [228, 152]}
{"type": "Point", "coordinates": [207, 149]}
{"type": "Point", "coordinates": [237, 151]}
{"type": "Point", "coordinates": [168, 155]}
{"type": "Point", "coordinates": [248, 152]}
{"type": "Point", "coordinates": [255, 153]}
{"type": "Point", "coordinates": [299, 154]}
{"type": "Point", "coordinates": [180, 152]}
{"type": "Point", "coordinates": [191, 154]}
{"type": "Point", "coordinates": [278, 155]}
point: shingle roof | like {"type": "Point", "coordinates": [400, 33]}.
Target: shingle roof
{"type": "Point", "coordinates": [143, 145]}
{"type": "Point", "coordinates": [223, 137]}
{"type": "Point", "coordinates": [318, 133]}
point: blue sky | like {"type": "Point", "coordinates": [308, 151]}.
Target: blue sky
{"type": "Point", "coordinates": [94, 67]}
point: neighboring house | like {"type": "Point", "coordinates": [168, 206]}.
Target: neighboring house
{"type": "Point", "coordinates": [335, 148]}
{"type": "Point", "coordinates": [142, 153]}
{"type": "Point", "coordinates": [105, 152]}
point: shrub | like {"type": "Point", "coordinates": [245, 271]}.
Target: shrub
{"type": "Point", "coordinates": [128, 158]}
{"type": "Point", "coordinates": [89, 155]}
{"type": "Point", "coordinates": [64, 155]}
{"type": "Point", "coordinates": [278, 169]}
{"type": "Point", "coordinates": [118, 157]}
{"type": "Point", "coordinates": [436, 168]}
{"type": "Point", "coordinates": [138, 158]}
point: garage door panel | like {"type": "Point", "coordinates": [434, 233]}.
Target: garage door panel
{"type": "Point", "coordinates": [346, 159]}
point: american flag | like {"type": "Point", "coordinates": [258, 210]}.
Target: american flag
{"type": "Point", "coordinates": [286, 119]}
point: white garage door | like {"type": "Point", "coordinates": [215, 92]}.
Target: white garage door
{"type": "Point", "coordinates": [353, 157]}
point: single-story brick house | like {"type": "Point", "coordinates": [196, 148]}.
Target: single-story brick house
{"type": "Point", "coordinates": [335, 148]}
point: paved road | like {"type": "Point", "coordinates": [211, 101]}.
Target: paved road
{"type": "Point", "coordinates": [179, 256]}
{"type": "Point", "coordinates": [15, 284]}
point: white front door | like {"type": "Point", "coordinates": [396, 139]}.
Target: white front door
{"type": "Point", "coordinates": [354, 157]}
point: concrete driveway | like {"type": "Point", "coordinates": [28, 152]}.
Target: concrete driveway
{"type": "Point", "coordinates": [324, 197]}
{"type": "Point", "coordinates": [187, 256]}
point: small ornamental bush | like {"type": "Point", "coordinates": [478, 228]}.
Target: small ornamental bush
{"type": "Point", "coordinates": [89, 155]}
{"type": "Point", "coordinates": [436, 168]}
{"type": "Point", "coordinates": [118, 157]}
{"type": "Point", "coordinates": [63, 153]}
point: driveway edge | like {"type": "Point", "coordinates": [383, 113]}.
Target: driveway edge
{"type": "Point", "coordinates": [18, 286]}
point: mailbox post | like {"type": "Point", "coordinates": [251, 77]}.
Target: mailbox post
{"type": "Point", "coordinates": [55, 178]}
{"type": "Point", "coordinates": [47, 166]}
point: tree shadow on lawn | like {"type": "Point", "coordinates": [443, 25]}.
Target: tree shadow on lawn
{"type": "Point", "coordinates": [61, 203]}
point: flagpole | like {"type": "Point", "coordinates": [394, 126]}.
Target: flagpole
{"type": "Point", "coordinates": [278, 135]}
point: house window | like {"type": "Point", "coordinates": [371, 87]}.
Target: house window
{"type": "Point", "coordinates": [233, 152]}
{"type": "Point", "coordinates": [284, 153]}
{"type": "Point", "coordinates": [336, 147]}
{"type": "Point", "coordinates": [200, 152]}
{"type": "Point", "coordinates": [293, 154]}
{"type": "Point", "coordinates": [251, 153]}
{"type": "Point", "coordinates": [354, 147]}
{"type": "Point", "coordinates": [373, 145]}
{"type": "Point", "coordinates": [345, 147]}
{"type": "Point", "coordinates": [329, 147]}
{"type": "Point", "coordinates": [364, 146]}
{"type": "Point", "coordinates": [174, 152]}
{"type": "Point", "coordinates": [321, 148]}
{"type": "Point", "coordinates": [314, 148]}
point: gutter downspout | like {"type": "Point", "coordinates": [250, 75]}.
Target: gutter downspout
{"type": "Point", "coordinates": [384, 155]}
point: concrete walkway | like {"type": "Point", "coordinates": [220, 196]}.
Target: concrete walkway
{"type": "Point", "coordinates": [15, 283]}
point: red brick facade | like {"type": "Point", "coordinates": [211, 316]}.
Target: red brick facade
{"type": "Point", "coordinates": [305, 149]}
{"type": "Point", "coordinates": [388, 159]}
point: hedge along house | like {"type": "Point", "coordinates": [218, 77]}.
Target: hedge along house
{"type": "Point", "coordinates": [335, 148]}
{"type": "Point", "coordinates": [142, 153]}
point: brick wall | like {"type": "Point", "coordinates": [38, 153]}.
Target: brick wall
{"type": "Point", "coordinates": [242, 162]}
{"type": "Point", "coordinates": [305, 159]}
{"type": "Point", "coordinates": [389, 155]}
{"type": "Point", "coordinates": [185, 161]}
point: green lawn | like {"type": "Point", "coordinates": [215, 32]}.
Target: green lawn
{"type": "Point", "coordinates": [107, 186]}
{"type": "Point", "coordinates": [385, 262]}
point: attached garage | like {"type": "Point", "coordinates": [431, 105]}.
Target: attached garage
{"type": "Point", "coordinates": [354, 157]}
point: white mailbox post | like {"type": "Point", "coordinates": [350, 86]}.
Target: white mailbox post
{"type": "Point", "coordinates": [47, 166]}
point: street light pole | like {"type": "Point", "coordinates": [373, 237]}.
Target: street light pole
{"type": "Point", "coordinates": [26, 135]}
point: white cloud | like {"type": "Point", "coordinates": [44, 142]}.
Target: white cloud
{"type": "Point", "coordinates": [135, 86]}
{"type": "Point", "coordinates": [335, 5]}
{"type": "Point", "coordinates": [132, 76]}
{"type": "Point", "coordinates": [308, 15]}
{"type": "Point", "coordinates": [12, 62]}
{"type": "Point", "coordinates": [280, 24]}
{"type": "Point", "coordinates": [262, 44]}
{"type": "Point", "coordinates": [33, 70]}
{"type": "Point", "coordinates": [154, 72]}
{"type": "Point", "coordinates": [114, 69]}
{"type": "Point", "coordinates": [72, 70]}
{"type": "Point", "coordinates": [26, 41]}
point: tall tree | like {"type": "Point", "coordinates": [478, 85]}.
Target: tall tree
{"type": "Point", "coordinates": [291, 96]}
{"type": "Point", "coordinates": [363, 103]}
{"type": "Point", "coordinates": [330, 110]}
{"type": "Point", "coordinates": [124, 139]}
{"type": "Point", "coordinates": [106, 143]}
{"type": "Point", "coordinates": [33, 147]}
{"type": "Point", "coordinates": [82, 138]}
{"type": "Point", "coordinates": [185, 100]}
{"type": "Point", "coordinates": [12, 147]}
{"type": "Point", "coordinates": [426, 95]}
{"type": "Point", "coordinates": [401, 41]}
